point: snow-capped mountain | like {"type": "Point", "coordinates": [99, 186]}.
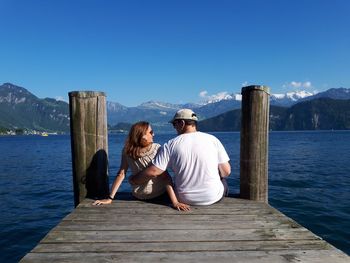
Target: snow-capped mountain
{"type": "Point", "coordinates": [167, 106]}
{"type": "Point", "coordinates": [161, 112]}
{"type": "Point", "coordinates": [159, 105]}
{"type": "Point", "coordinates": [293, 95]}
{"type": "Point", "coordinates": [221, 96]}
{"type": "Point", "coordinates": [286, 99]}
{"type": "Point", "coordinates": [289, 98]}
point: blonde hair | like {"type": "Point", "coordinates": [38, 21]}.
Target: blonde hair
{"type": "Point", "coordinates": [135, 141]}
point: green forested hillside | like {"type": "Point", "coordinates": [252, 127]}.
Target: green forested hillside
{"type": "Point", "coordinates": [21, 109]}
{"type": "Point", "coordinates": [317, 114]}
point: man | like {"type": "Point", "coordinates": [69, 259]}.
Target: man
{"type": "Point", "coordinates": [198, 161]}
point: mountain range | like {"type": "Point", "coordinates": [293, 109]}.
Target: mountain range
{"type": "Point", "coordinates": [20, 109]}
{"type": "Point", "coordinates": [316, 114]}
{"type": "Point", "coordinates": [159, 113]}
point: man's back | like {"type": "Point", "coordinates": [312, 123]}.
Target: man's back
{"type": "Point", "coordinates": [194, 158]}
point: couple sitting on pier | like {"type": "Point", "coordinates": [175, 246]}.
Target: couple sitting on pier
{"type": "Point", "coordinates": [199, 162]}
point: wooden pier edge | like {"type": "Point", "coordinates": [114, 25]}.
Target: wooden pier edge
{"type": "Point", "coordinates": [129, 230]}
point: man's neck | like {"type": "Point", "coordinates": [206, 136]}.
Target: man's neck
{"type": "Point", "coordinates": [189, 129]}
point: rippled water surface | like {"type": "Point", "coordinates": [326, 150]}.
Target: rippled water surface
{"type": "Point", "coordinates": [309, 180]}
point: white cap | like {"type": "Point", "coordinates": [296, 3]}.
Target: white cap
{"type": "Point", "coordinates": [184, 114]}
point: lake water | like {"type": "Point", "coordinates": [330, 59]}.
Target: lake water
{"type": "Point", "coordinates": [309, 180]}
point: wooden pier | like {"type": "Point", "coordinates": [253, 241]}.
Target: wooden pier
{"type": "Point", "coordinates": [233, 230]}
{"type": "Point", "coordinates": [128, 230]}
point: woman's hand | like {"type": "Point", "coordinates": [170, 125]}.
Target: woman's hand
{"type": "Point", "coordinates": [102, 202]}
{"type": "Point", "coordinates": [181, 206]}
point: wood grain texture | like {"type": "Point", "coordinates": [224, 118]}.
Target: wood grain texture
{"type": "Point", "coordinates": [254, 143]}
{"type": "Point", "coordinates": [129, 230]}
{"type": "Point", "coordinates": [88, 125]}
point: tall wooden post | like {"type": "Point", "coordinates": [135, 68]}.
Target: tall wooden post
{"type": "Point", "coordinates": [254, 143]}
{"type": "Point", "coordinates": [88, 127]}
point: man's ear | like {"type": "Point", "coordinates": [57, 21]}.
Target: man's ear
{"type": "Point", "coordinates": [183, 124]}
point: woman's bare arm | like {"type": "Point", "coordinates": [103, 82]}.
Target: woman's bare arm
{"type": "Point", "coordinates": [116, 184]}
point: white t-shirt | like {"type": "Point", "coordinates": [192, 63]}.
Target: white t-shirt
{"type": "Point", "coordinates": [194, 158]}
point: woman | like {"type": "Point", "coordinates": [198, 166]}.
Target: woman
{"type": "Point", "coordinates": [138, 152]}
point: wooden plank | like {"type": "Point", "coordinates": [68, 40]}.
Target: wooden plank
{"type": "Point", "coordinates": [121, 197]}
{"type": "Point", "coordinates": [267, 245]}
{"type": "Point", "coordinates": [178, 235]}
{"type": "Point", "coordinates": [170, 218]}
{"type": "Point", "coordinates": [306, 256]}
{"type": "Point", "coordinates": [170, 211]}
{"type": "Point", "coordinates": [171, 224]}
{"type": "Point", "coordinates": [149, 205]}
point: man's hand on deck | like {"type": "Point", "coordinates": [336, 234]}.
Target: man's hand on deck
{"type": "Point", "coordinates": [103, 202]}
{"type": "Point", "coordinates": [182, 207]}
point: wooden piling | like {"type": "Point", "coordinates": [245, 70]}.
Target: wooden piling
{"type": "Point", "coordinates": [254, 143]}
{"type": "Point", "coordinates": [89, 142]}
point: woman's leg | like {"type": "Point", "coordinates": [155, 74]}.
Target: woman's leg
{"type": "Point", "coordinates": [224, 182]}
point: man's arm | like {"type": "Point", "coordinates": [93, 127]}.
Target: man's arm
{"type": "Point", "coordinates": [224, 169]}
{"type": "Point", "coordinates": [145, 175]}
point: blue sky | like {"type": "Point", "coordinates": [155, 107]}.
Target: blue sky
{"type": "Point", "coordinates": [173, 51]}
